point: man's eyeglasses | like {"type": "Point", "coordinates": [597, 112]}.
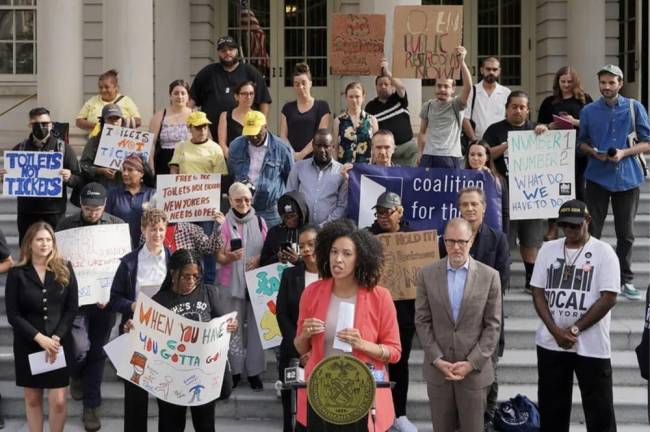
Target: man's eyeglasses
{"type": "Point", "coordinates": [453, 242]}
{"type": "Point", "coordinates": [384, 212]}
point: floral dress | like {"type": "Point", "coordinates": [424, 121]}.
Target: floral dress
{"type": "Point", "coordinates": [354, 143]}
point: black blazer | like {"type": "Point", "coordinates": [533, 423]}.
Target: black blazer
{"type": "Point", "coordinates": [292, 285]}
{"type": "Point", "coordinates": [33, 306]}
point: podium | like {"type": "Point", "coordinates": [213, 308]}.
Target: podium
{"type": "Point", "coordinates": [340, 395]}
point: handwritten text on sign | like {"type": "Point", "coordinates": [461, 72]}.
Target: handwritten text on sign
{"type": "Point", "coordinates": [357, 43]}
{"type": "Point", "coordinates": [424, 41]}
{"type": "Point", "coordinates": [541, 172]}
{"type": "Point", "coordinates": [405, 253]}
{"type": "Point", "coordinates": [263, 286]}
{"type": "Point", "coordinates": [189, 197]}
{"type": "Point", "coordinates": [33, 174]}
{"type": "Point", "coordinates": [118, 143]}
{"type": "Point", "coordinates": [176, 359]}
{"type": "Point", "coordinates": [94, 252]}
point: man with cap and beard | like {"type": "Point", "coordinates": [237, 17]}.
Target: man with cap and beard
{"type": "Point", "coordinates": [92, 326]}
{"type": "Point", "coordinates": [575, 283]}
{"type": "Point", "coordinates": [213, 88]}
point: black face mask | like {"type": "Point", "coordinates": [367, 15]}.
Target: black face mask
{"type": "Point", "coordinates": [40, 130]}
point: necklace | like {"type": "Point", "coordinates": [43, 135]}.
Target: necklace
{"type": "Point", "coordinates": [569, 264]}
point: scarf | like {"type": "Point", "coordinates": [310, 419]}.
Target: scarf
{"type": "Point", "coordinates": [247, 228]}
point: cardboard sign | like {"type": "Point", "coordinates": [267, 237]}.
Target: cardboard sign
{"type": "Point", "coordinates": [357, 43]}
{"type": "Point", "coordinates": [424, 40]}
{"type": "Point", "coordinates": [33, 174]}
{"type": "Point", "coordinates": [263, 285]}
{"type": "Point", "coordinates": [118, 143]}
{"type": "Point", "coordinates": [95, 253]}
{"type": "Point", "coordinates": [189, 197]}
{"type": "Point", "coordinates": [429, 196]}
{"type": "Point", "coordinates": [176, 359]}
{"type": "Point", "coordinates": [541, 172]}
{"type": "Point", "coordinates": [405, 253]}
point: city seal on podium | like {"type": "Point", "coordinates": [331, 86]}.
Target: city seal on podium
{"type": "Point", "coordinates": [341, 390]}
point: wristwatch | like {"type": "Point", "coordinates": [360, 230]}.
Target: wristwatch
{"type": "Point", "coordinates": [575, 331]}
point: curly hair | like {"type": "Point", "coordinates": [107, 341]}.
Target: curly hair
{"type": "Point", "coordinates": [54, 263]}
{"type": "Point", "coordinates": [153, 216]}
{"type": "Point", "coordinates": [370, 251]}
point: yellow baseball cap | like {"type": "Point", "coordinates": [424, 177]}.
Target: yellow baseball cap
{"type": "Point", "coordinates": [253, 122]}
{"type": "Point", "coordinates": [197, 118]}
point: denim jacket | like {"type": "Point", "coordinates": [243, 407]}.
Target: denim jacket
{"type": "Point", "coordinates": [272, 180]}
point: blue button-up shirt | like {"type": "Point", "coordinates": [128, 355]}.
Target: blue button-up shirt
{"type": "Point", "coordinates": [127, 207]}
{"type": "Point", "coordinates": [604, 127]}
{"type": "Point", "coordinates": [325, 189]}
{"type": "Point", "coordinates": [456, 279]}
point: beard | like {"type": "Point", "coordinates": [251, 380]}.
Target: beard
{"type": "Point", "coordinates": [490, 78]}
{"type": "Point", "coordinates": [228, 63]}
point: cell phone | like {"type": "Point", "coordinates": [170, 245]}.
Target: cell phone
{"type": "Point", "coordinates": [286, 245]}
{"type": "Point", "coordinates": [235, 244]}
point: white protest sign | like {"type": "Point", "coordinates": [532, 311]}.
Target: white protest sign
{"type": "Point", "coordinates": [176, 359]}
{"type": "Point", "coordinates": [95, 253]}
{"type": "Point", "coordinates": [33, 174]}
{"type": "Point", "coordinates": [117, 143]}
{"type": "Point", "coordinates": [541, 172]}
{"type": "Point", "coordinates": [263, 285]}
{"type": "Point", "coordinates": [189, 197]}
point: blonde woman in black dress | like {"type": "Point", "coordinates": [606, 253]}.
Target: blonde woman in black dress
{"type": "Point", "coordinates": [41, 300]}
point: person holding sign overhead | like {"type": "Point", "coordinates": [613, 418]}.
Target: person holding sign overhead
{"type": "Point", "coordinates": [42, 208]}
{"type": "Point", "coordinates": [41, 302]}
{"type": "Point", "coordinates": [441, 121]}
{"type": "Point", "coordinates": [350, 261]}
{"type": "Point", "coordinates": [145, 267]}
{"type": "Point", "coordinates": [93, 323]}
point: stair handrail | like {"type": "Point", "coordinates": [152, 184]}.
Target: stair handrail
{"type": "Point", "coordinates": [16, 105]}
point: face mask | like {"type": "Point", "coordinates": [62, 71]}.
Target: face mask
{"type": "Point", "coordinates": [40, 131]}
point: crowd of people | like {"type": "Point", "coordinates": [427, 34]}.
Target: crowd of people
{"type": "Point", "coordinates": [287, 202]}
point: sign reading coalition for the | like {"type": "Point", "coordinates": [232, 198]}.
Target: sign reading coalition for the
{"type": "Point", "coordinates": [429, 196]}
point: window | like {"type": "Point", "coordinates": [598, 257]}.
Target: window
{"type": "Point", "coordinates": [18, 37]}
{"type": "Point", "coordinates": [627, 39]}
{"type": "Point", "coordinates": [305, 39]}
{"type": "Point", "coordinates": [499, 35]}
{"type": "Point", "coordinates": [249, 22]}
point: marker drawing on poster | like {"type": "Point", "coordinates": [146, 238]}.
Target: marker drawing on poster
{"type": "Point", "coordinates": [33, 174]}
{"type": "Point", "coordinates": [357, 43]}
{"type": "Point", "coordinates": [189, 197]}
{"type": "Point", "coordinates": [117, 143]}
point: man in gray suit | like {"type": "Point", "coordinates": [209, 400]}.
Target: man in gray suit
{"type": "Point", "coordinates": [457, 317]}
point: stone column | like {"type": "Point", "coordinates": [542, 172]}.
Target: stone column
{"type": "Point", "coordinates": [586, 53]}
{"type": "Point", "coordinates": [171, 47]}
{"type": "Point", "coordinates": [128, 47]}
{"type": "Point", "coordinates": [60, 58]}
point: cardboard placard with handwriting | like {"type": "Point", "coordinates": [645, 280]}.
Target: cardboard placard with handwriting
{"type": "Point", "coordinates": [405, 253]}
{"type": "Point", "coordinates": [357, 43]}
{"type": "Point", "coordinates": [424, 40]}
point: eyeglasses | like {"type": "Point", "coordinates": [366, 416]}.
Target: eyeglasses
{"type": "Point", "coordinates": [190, 277]}
{"type": "Point", "coordinates": [242, 200]}
{"type": "Point", "coordinates": [247, 94]}
{"type": "Point", "coordinates": [384, 212]}
{"type": "Point", "coordinates": [569, 225]}
{"type": "Point", "coordinates": [453, 242]}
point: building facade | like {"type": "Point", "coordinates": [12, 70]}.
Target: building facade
{"type": "Point", "coordinates": [52, 51]}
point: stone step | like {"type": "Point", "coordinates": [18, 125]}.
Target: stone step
{"type": "Point", "coordinates": [630, 402]}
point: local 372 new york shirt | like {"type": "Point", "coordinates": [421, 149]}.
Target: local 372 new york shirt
{"type": "Point", "coordinates": [596, 269]}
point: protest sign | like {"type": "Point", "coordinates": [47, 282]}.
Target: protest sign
{"type": "Point", "coordinates": [189, 197]}
{"type": "Point", "coordinates": [33, 174]}
{"type": "Point", "coordinates": [94, 252]}
{"type": "Point", "coordinates": [429, 196]}
{"type": "Point", "coordinates": [405, 253]}
{"type": "Point", "coordinates": [117, 143]}
{"type": "Point", "coordinates": [263, 286]}
{"type": "Point", "coordinates": [424, 40]}
{"type": "Point", "coordinates": [357, 44]}
{"type": "Point", "coordinates": [174, 358]}
{"type": "Point", "coordinates": [541, 172]}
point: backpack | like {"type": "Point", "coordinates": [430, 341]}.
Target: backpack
{"type": "Point", "coordinates": [519, 414]}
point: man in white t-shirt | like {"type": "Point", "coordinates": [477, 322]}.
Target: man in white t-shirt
{"type": "Point", "coordinates": [575, 283]}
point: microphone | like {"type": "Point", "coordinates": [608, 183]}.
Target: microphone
{"type": "Point", "coordinates": [611, 152]}
{"type": "Point", "coordinates": [294, 373]}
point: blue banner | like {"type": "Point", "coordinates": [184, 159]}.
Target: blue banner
{"type": "Point", "coordinates": [429, 196]}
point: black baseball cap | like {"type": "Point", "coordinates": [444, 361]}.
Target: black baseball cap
{"type": "Point", "coordinates": [111, 110]}
{"type": "Point", "coordinates": [93, 194]}
{"type": "Point", "coordinates": [224, 41]}
{"type": "Point", "coordinates": [573, 212]}
{"type": "Point", "coordinates": [388, 200]}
